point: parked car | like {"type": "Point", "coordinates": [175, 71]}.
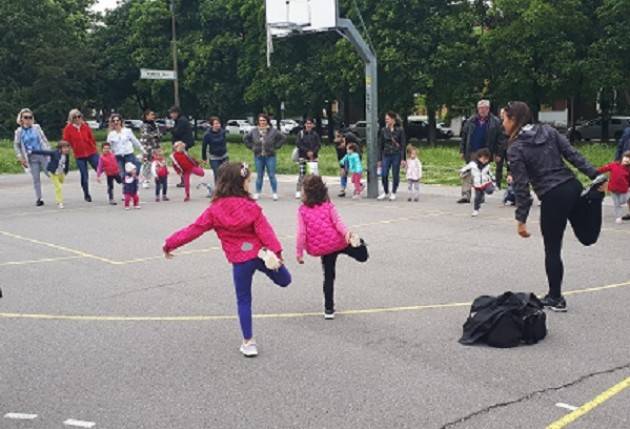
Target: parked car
{"type": "Point", "coordinates": [444, 130]}
{"type": "Point", "coordinates": [165, 124]}
{"type": "Point", "coordinates": [592, 129]}
{"type": "Point", "coordinates": [93, 124]}
{"type": "Point", "coordinates": [419, 129]}
{"type": "Point", "coordinates": [133, 124]}
{"type": "Point", "coordinates": [359, 129]}
{"type": "Point", "coordinates": [238, 126]}
{"type": "Point", "coordinates": [289, 125]}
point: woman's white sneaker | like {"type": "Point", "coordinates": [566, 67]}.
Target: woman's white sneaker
{"type": "Point", "coordinates": [392, 197]}
{"type": "Point", "coordinates": [381, 197]}
{"type": "Point", "coordinates": [275, 197]}
{"type": "Point", "coordinates": [249, 349]}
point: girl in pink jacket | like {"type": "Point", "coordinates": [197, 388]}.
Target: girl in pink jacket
{"type": "Point", "coordinates": [247, 238]}
{"type": "Point", "coordinates": [322, 233]}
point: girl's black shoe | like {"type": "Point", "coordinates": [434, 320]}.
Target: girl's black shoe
{"type": "Point", "coordinates": [39, 203]}
{"type": "Point", "coordinates": [554, 304]}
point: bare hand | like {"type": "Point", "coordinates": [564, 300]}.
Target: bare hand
{"type": "Point", "coordinates": [24, 163]}
{"type": "Point", "coordinates": [300, 260]}
{"type": "Point", "coordinates": [403, 164]}
{"type": "Point", "coordinates": [522, 230]}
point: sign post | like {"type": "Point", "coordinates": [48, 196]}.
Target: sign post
{"type": "Point", "coordinates": [158, 74]}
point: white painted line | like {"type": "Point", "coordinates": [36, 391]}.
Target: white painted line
{"type": "Point", "coordinates": [20, 416]}
{"type": "Point", "coordinates": [79, 423]}
{"type": "Point", "coordinates": [566, 406]}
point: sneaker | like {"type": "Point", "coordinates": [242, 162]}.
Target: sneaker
{"type": "Point", "coordinates": [392, 197]}
{"type": "Point", "coordinates": [409, 199]}
{"type": "Point", "coordinates": [113, 203]}
{"type": "Point", "coordinates": [187, 198]}
{"type": "Point", "coordinates": [619, 221]}
{"type": "Point", "coordinates": [157, 199]}
{"type": "Point", "coordinates": [355, 240]}
{"type": "Point", "coordinates": [127, 208]}
{"type": "Point", "coordinates": [272, 262]}
{"type": "Point", "coordinates": [88, 199]}
{"type": "Point", "coordinates": [475, 213]}
{"type": "Point", "coordinates": [463, 201]}
{"type": "Point", "coordinates": [39, 203]}
{"type": "Point", "coordinates": [416, 199]}
{"type": "Point", "coordinates": [137, 207]}
{"type": "Point", "coordinates": [342, 193]}
{"type": "Point", "coordinates": [298, 195]}
{"type": "Point", "coordinates": [555, 304]}
{"type": "Point", "coordinates": [593, 189]}
{"type": "Point", "coordinates": [626, 217]}
{"type": "Point", "coordinates": [60, 205]}
{"type": "Point", "coordinates": [145, 184]}
{"type": "Point", "coordinates": [180, 185]}
{"type": "Point", "coordinates": [275, 197]}
{"type": "Point", "coordinates": [165, 198]}
{"type": "Point", "coordinates": [381, 197]}
{"type": "Point", "coordinates": [249, 349]}
{"type": "Point", "coordinates": [356, 196]}
{"type": "Point", "coordinates": [256, 197]}
{"type": "Point", "coordinates": [329, 314]}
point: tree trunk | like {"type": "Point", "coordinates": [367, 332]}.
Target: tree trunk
{"type": "Point", "coordinates": [331, 122]}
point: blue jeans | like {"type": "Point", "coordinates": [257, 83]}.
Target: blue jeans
{"type": "Point", "coordinates": [243, 274]}
{"type": "Point", "coordinates": [214, 165]}
{"type": "Point", "coordinates": [344, 176]}
{"type": "Point", "coordinates": [393, 162]}
{"type": "Point", "coordinates": [82, 164]}
{"type": "Point", "coordinates": [269, 163]}
{"type": "Point", "coordinates": [123, 159]}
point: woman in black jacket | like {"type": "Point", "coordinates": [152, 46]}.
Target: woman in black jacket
{"type": "Point", "coordinates": [536, 154]}
{"type": "Point", "coordinates": [215, 146]}
{"type": "Point", "coordinates": [392, 144]}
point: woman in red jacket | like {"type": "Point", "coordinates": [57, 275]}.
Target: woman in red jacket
{"type": "Point", "coordinates": [80, 137]}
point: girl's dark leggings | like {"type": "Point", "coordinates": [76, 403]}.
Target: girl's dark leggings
{"type": "Point", "coordinates": [564, 203]}
{"type": "Point", "coordinates": [329, 263]}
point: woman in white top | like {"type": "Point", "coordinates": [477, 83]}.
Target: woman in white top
{"type": "Point", "coordinates": [123, 141]}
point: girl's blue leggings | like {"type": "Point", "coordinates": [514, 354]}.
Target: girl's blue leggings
{"type": "Point", "coordinates": [243, 274]}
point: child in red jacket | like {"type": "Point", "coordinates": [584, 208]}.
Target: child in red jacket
{"type": "Point", "coordinates": [108, 164]}
{"type": "Point", "coordinates": [159, 170]}
{"type": "Point", "coordinates": [322, 233]}
{"type": "Point", "coordinates": [247, 238]}
{"type": "Point", "coordinates": [185, 165]}
{"type": "Point", "coordinates": [619, 183]}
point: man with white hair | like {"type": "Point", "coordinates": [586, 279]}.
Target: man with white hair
{"type": "Point", "coordinates": [483, 130]}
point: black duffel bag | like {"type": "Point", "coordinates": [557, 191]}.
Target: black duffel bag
{"type": "Point", "coordinates": [506, 320]}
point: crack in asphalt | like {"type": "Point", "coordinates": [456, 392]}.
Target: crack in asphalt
{"type": "Point", "coordinates": [532, 395]}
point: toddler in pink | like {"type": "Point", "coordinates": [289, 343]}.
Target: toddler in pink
{"type": "Point", "coordinates": [322, 233]}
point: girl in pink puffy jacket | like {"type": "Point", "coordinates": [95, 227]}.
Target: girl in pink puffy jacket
{"type": "Point", "coordinates": [322, 233]}
{"type": "Point", "coordinates": [247, 238]}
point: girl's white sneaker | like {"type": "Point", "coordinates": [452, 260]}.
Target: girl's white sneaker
{"type": "Point", "coordinates": [619, 221]}
{"type": "Point", "coordinates": [355, 240]}
{"type": "Point", "coordinates": [298, 195]}
{"type": "Point", "coordinates": [249, 349]}
{"type": "Point", "coordinates": [272, 262]}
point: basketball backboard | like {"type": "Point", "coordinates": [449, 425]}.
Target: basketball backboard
{"type": "Point", "coordinates": [287, 16]}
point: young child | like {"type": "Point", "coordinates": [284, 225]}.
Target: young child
{"type": "Point", "coordinates": [130, 186]}
{"type": "Point", "coordinates": [355, 169]}
{"type": "Point", "coordinates": [322, 233]}
{"type": "Point", "coordinates": [159, 170]}
{"type": "Point", "coordinates": [185, 166]}
{"type": "Point", "coordinates": [619, 183]}
{"type": "Point", "coordinates": [509, 197]}
{"type": "Point", "coordinates": [483, 181]}
{"type": "Point", "coordinates": [108, 164]}
{"type": "Point", "coordinates": [58, 167]}
{"type": "Point", "coordinates": [247, 238]}
{"type": "Point", "coordinates": [414, 173]}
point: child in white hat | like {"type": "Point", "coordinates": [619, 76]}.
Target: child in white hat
{"type": "Point", "coordinates": [130, 186]}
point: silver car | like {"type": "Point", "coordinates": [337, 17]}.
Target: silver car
{"type": "Point", "coordinates": [592, 130]}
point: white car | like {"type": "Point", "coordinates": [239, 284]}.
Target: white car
{"type": "Point", "coordinates": [288, 125]}
{"type": "Point", "coordinates": [593, 129]}
{"type": "Point", "coordinates": [93, 125]}
{"type": "Point", "coordinates": [133, 124]}
{"type": "Point", "coordinates": [238, 126]}
{"type": "Point", "coordinates": [445, 130]}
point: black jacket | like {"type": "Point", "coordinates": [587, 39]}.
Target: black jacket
{"type": "Point", "coordinates": [308, 142]}
{"type": "Point", "coordinates": [496, 140]}
{"type": "Point", "coordinates": [55, 157]}
{"type": "Point", "coordinates": [182, 131]}
{"type": "Point", "coordinates": [536, 158]}
{"type": "Point", "coordinates": [392, 142]}
{"type": "Point", "coordinates": [214, 144]}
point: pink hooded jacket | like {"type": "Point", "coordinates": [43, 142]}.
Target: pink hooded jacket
{"type": "Point", "coordinates": [241, 227]}
{"type": "Point", "coordinates": [320, 230]}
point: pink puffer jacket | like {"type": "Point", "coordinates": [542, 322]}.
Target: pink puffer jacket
{"type": "Point", "coordinates": [240, 225]}
{"type": "Point", "coordinates": [320, 230]}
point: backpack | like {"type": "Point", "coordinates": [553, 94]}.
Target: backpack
{"type": "Point", "coordinates": [505, 321]}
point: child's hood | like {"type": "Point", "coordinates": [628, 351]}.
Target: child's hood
{"type": "Point", "coordinates": [235, 212]}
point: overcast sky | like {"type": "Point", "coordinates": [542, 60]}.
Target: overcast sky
{"type": "Point", "coordinates": [101, 5]}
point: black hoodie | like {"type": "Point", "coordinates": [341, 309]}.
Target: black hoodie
{"type": "Point", "coordinates": [537, 158]}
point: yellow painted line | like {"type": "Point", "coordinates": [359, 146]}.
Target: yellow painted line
{"type": "Point", "coordinates": [57, 247]}
{"type": "Point", "coordinates": [591, 405]}
{"type": "Point", "coordinates": [266, 316]}
{"type": "Point", "coordinates": [39, 261]}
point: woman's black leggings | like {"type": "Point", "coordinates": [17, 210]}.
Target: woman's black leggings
{"type": "Point", "coordinates": [564, 203]}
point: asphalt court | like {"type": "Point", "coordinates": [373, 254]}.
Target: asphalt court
{"type": "Point", "coordinates": [92, 313]}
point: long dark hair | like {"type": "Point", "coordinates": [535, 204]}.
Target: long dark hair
{"type": "Point", "coordinates": [231, 181]}
{"type": "Point", "coordinates": [315, 191]}
{"type": "Point", "coordinates": [519, 112]}
{"type": "Point", "coordinates": [146, 114]}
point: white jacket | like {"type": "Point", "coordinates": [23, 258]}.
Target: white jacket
{"type": "Point", "coordinates": [414, 169]}
{"type": "Point", "coordinates": [123, 142]}
{"type": "Point", "coordinates": [481, 176]}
